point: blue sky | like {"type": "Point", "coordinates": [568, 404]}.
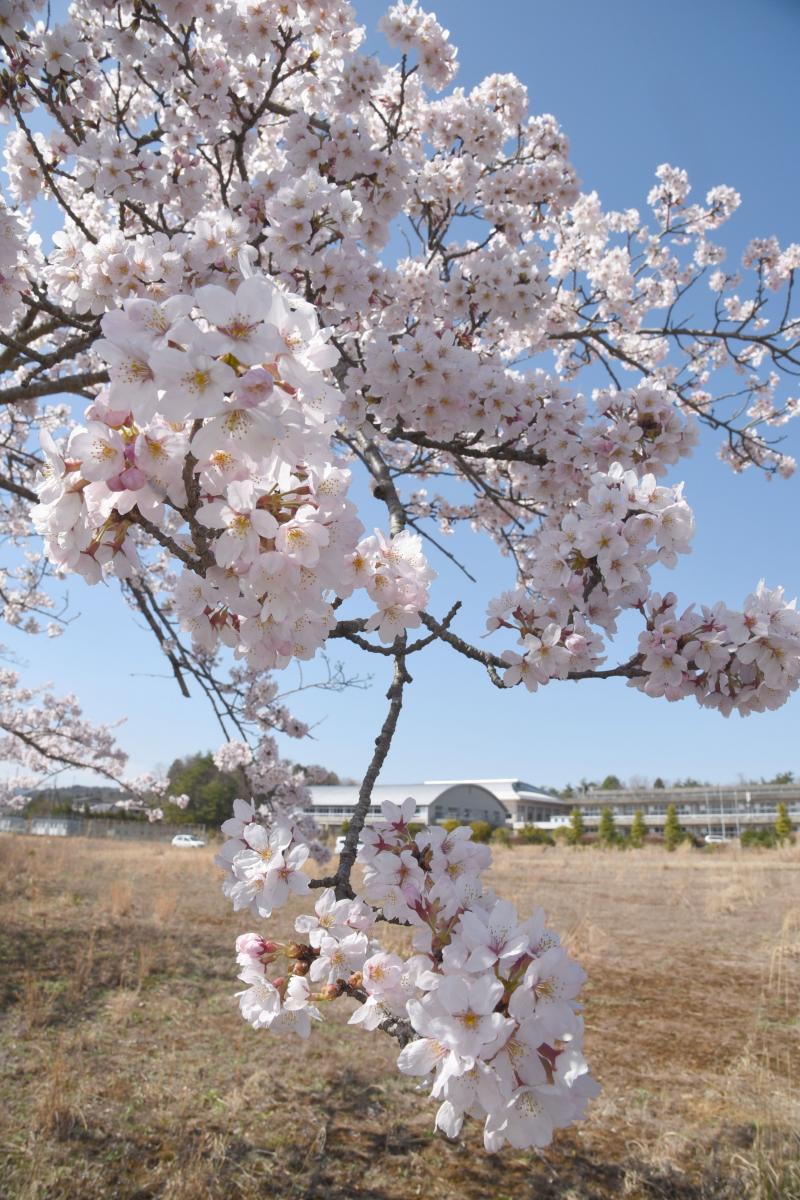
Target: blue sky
{"type": "Point", "coordinates": [701, 86]}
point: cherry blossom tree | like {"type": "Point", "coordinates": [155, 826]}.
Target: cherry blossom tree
{"type": "Point", "coordinates": [223, 294]}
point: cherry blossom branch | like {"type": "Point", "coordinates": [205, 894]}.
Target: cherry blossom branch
{"type": "Point", "coordinates": [494, 663]}
{"type": "Point", "coordinates": [141, 600]}
{"type": "Point", "coordinates": [384, 489]}
{"type": "Point", "coordinates": [52, 387]}
{"type": "Point", "coordinates": [400, 677]}
{"type": "Point", "coordinates": [47, 171]}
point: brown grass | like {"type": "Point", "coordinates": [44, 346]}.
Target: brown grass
{"type": "Point", "coordinates": [126, 1072]}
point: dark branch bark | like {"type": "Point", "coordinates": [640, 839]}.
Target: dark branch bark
{"type": "Point", "coordinates": [52, 387]}
{"type": "Point", "coordinates": [341, 880]}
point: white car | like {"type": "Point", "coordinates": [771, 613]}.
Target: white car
{"type": "Point", "coordinates": [187, 839]}
{"type": "Point", "coordinates": [715, 839]}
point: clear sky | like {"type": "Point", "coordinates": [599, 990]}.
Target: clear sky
{"type": "Point", "coordinates": [699, 85]}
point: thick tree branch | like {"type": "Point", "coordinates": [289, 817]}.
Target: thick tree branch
{"type": "Point", "coordinates": [52, 387]}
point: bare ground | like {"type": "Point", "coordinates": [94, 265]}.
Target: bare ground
{"type": "Point", "coordinates": [126, 1072]}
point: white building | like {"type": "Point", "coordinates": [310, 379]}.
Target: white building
{"type": "Point", "coordinates": [509, 802]}
{"type": "Point", "coordinates": [722, 811]}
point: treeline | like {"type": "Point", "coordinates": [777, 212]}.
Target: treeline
{"type": "Point", "coordinates": [64, 801]}
{"type": "Point", "coordinates": [210, 794]}
{"type": "Point", "coordinates": [613, 783]}
{"type": "Point", "coordinates": [609, 834]}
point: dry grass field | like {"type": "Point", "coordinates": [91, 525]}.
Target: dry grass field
{"type": "Point", "coordinates": [126, 1071]}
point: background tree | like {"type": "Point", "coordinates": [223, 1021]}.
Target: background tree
{"type": "Point", "coordinates": [638, 830]}
{"type": "Point", "coordinates": [783, 824]}
{"type": "Point", "coordinates": [211, 791]}
{"type": "Point", "coordinates": [607, 830]}
{"type": "Point", "coordinates": [576, 828]}
{"type": "Point", "coordinates": [612, 783]}
{"type": "Point", "coordinates": [673, 834]}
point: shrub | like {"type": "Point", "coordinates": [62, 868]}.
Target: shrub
{"type": "Point", "coordinates": [501, 836]}
{"type": "Point", "coordinates": [450, 824]}
{"type": "Point", "coordinates": [531, 835]}
{"type": "Point", "coordinates": [481, 831]}
{"type": "Point", "coordinates": [765, 839]}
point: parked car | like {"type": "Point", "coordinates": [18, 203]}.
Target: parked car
{"type": "Point", "coordinates": [715, 839]}
{"type": "Point", "coordinates": [187, 839]}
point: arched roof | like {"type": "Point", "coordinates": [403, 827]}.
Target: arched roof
{"type": "Point", "coordinates": [473, 786]}
{"type": "Point", "coordinates": [499, 790]}
{"type": "Point", "coordinates": [347, 794]}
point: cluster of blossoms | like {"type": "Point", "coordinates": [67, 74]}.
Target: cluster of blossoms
{"type": "Point", "coordinates": [412, 29]}
{"type": "Point", "coordinates": [748, 660]}
{"type": "Point", "coordinates": [396, 577]}
{"type": "Point", "coordinates": [588, 567]}
{"type": "Point", "coordinates": [13, 255]}
{"type": "Point", "coordinates": [596, 563]}
{"type": "Point", "coordinates": [488, 1004]}
{"type": "Point", "coordinates": [263, 864]}
{"type": "Point", "coordinates": [214, 436]}
{"type": "Point", "coordinates": [266, 774]}
{"type": "Point", "coordinates": [39, 729]}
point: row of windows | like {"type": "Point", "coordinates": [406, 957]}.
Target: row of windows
{"type": "Point", "coordinates": [329, 810]}
{"type": "Point", "coordinates": [461, 814]}
{"type": "Point", "coordinates": [437, 814]}
{"type": "Point", "coordinates": [687, 810]}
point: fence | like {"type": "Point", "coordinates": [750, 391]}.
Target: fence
{"type": "Point", "coordinates": [97, 827]}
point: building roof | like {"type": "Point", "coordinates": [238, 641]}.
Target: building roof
{"type": "Point", "coordinates": [428, 793]}
{"type": "Point", "coordinates": [504, 789]}
{"type": "Point", "coordinates": [347, 794]}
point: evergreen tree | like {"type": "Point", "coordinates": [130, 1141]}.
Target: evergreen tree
{"type": "Point", "coordinates": [211, 792]}
{"type": "Point", "coordinates": [638, 831]}
{"type": "Point", "coordinates": [673, 834]}
{"type": "Point", "coordinates": [576, 827]}
{"type": "Point", "coordinates": [607, 830]}
{"type": "Point", "coordinates": [783, 825]}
